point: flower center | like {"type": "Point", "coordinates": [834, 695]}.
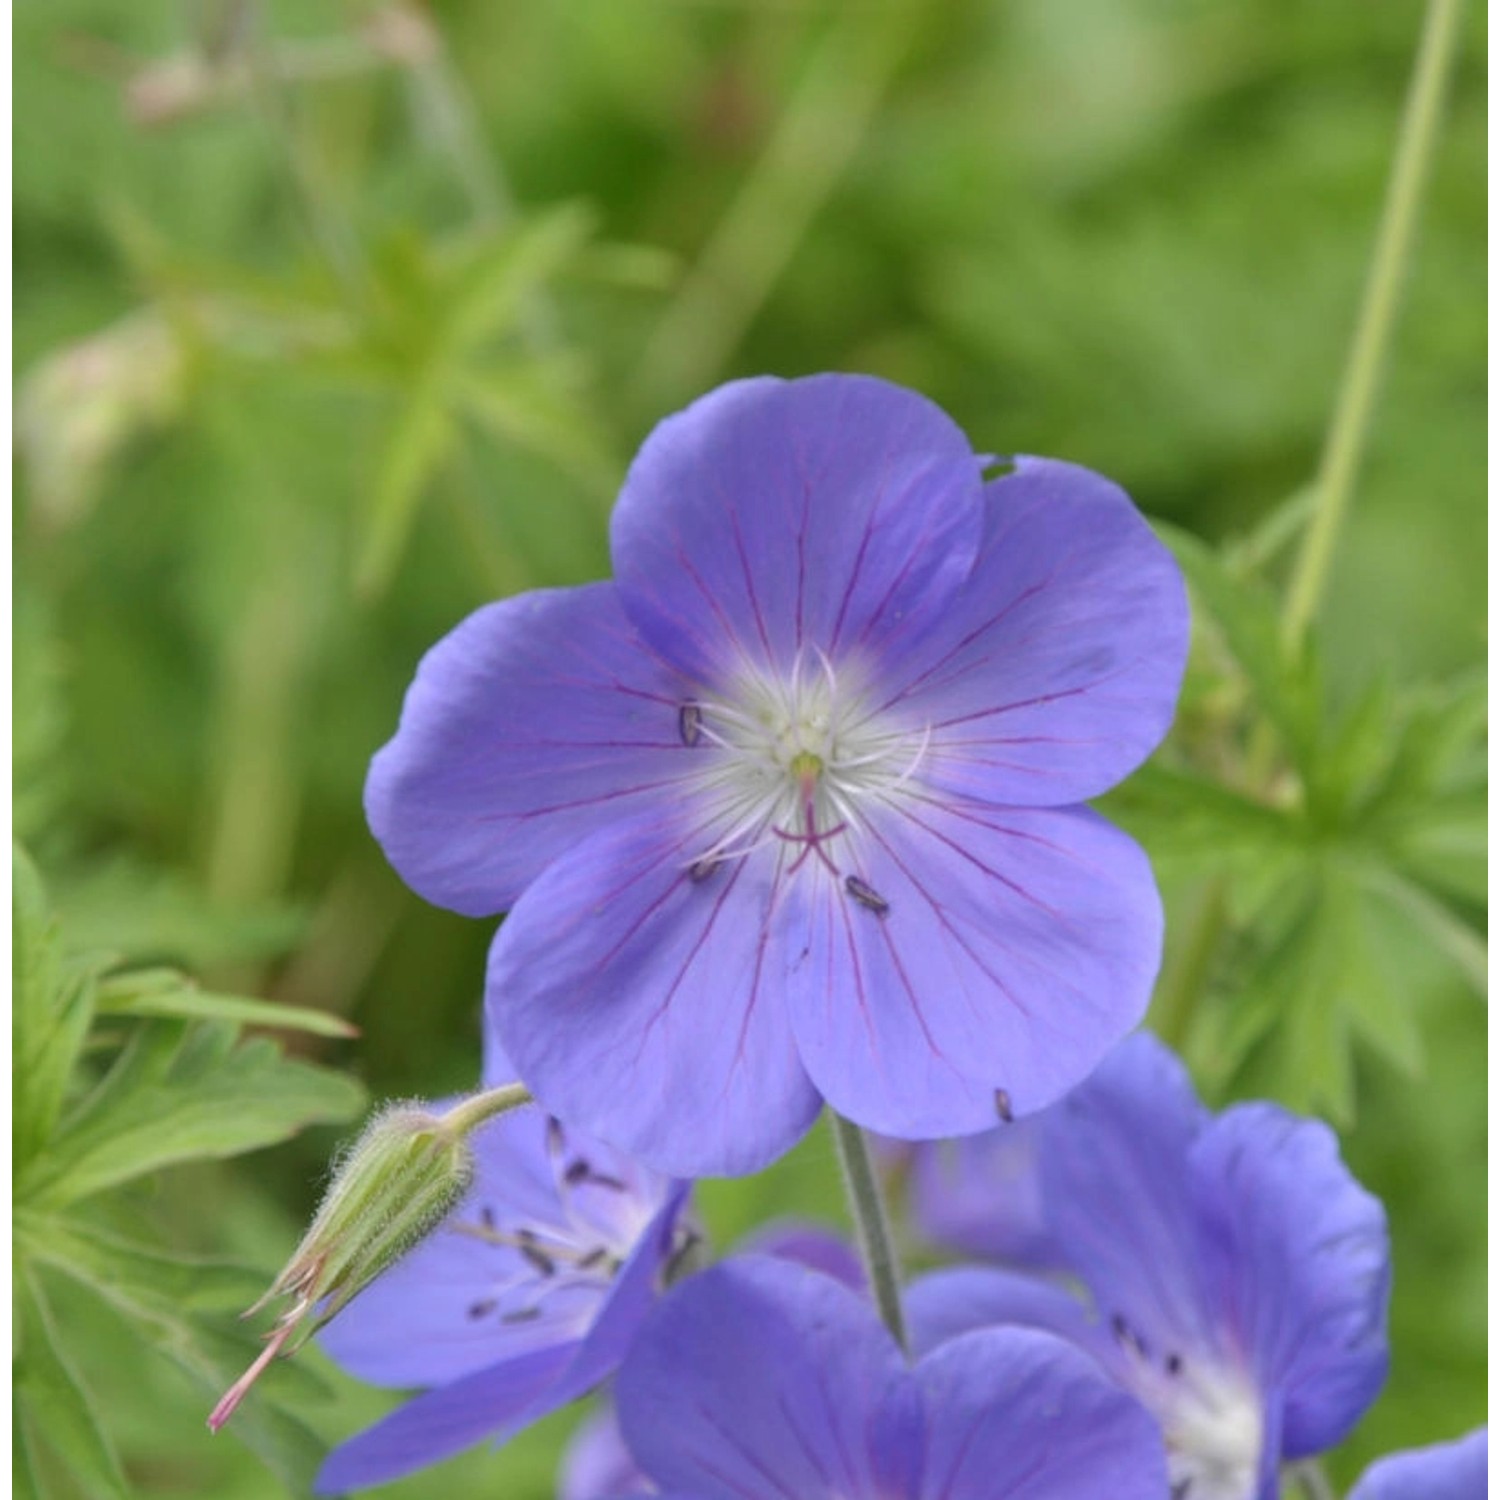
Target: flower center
{"type": "Point", "coordinates": [797, 761]}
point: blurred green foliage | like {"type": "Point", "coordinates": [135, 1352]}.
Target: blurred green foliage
{"type": "Point", "coordinates": [336, 319]}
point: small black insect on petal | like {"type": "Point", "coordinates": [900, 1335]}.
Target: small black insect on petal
{"type": "Point", "coordinates": [690, 724]}
{"type": "Point", "coordinates": [866, 895]}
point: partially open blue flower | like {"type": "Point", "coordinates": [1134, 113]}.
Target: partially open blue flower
{"type": "Point", "coordinates": [597, 1465]}
{"type": "Point", "coordinates": [523, 1300]}
{"type": "Point", "coordinates": [789, 810]}
{"type": "Point", "coordinates": [762, 1380]}
{"type": "Point", "coordinates": [1445, 1471]}
{"type": "Point", "coordinates": [1237, 1275]}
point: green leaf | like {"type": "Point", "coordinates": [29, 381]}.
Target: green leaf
{"type": "Point", "coordinates": [1179, 814]}
{"type": "Point", "coordinates": [175, 1097]}
{"type": "Point", "coordinates": [140, 1281]}
{"type": "Point", "coordinates": [165, 992]}
{"type": "Point", "coordinates": [52, 1011]}
{"type": "Point", "coordinates": [418, 443]}
{"type": "Point", "coordinates": [53, 1399]}
{"type": "Point", "coordinates": [143, 913]}
{"type": "Point", "coordinates": [172, 1302]}
{"type": "Point", "coordinates": [487, 287]}
{"type": "Point", "coordinates": [1285, 688]}
{"type": "Point", "coordinates": [520, 407]}
{"type": "Point", "coordinates": [1446, 933]}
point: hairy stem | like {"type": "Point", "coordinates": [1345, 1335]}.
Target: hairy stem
{"type": "Point", "coordinates": [870, 1223]}
{"type": "Point", "coordinates": [1349, 430]}
{"type": "Point", "coordinates": [475, 1110]}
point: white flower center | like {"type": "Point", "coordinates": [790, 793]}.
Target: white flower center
{"type": "Point", "coordinates": [796, 760]}
{"type": "Point", "coordinates": [1211, 1422]}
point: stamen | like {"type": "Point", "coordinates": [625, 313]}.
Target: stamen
{"type": "Point", "coordinates": [690, 723]}
{"type": "Point", "coordinates": [1002, 1106]}
{"type": "Point", "coordinates": [482, 1308]}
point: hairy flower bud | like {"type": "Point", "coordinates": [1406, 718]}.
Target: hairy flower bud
{"type": "Point", "coordinates": [396, 1184]}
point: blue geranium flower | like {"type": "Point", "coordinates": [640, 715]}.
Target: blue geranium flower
{"type": "Point", "coordinates": [789, 810]}
{"type": "Point", "coordinates": [1446, 1471]}
{"type": "Point", "coordinates": [761, 1379]}
{"type": "Point", "coordinates": [1237, 1275]}
{"type": "Point", "coordinates": [523, 1300]}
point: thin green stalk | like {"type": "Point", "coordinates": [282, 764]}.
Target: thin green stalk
{"type": "Point", "coordinates": [1348, 432]}
{"type": "Point", "coordinates": [870, 1223]}
{"type": "Point", "coordinates": [474, 1111]}
{"type": "Point", "coordinates": [1312, 1481]}
{"type": "Point", "coordinates": [1343, 448]}
{"type": "Point", "coordinates": [811, 145]}
{"type": "Point", "coordinates": [1189, 975]}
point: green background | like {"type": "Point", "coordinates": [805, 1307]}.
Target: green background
{"type": "Point", "coordinates": [401, 293]}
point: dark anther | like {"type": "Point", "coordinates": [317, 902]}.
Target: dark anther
{"type": "Point", "coordinates": [525, 1315]}
{"type": "Point", "coordinates": [537, 1258]}
{"type": "Point", "coordinates": [554, 1135]}
{"type": "Point", "coordinates": [577, 1170]}
{"type": "Point", "coordinates": [604, 1180]}
{"type": "Point", "coordinates": [482, 1309]}
{"type": "Point", "coordinates": [487, 1217]}
{"type": "Point", "coordinates": [701, 869]}
{"type": "Point", "coordinates": [1127, 1335]}
{"type": "Point", "coordinates": [592, 1259]}
{"type": "Point", "coordinates": [1174, 1364]}
{"type": "Point", "coordinates": [1002, 1106]}
{"type": "Point", "coordinates": [866, 895]}
{"type": "Point", "coordinates": [688, 1240]}
{"type": "Point", "coordinates": [690, 723]}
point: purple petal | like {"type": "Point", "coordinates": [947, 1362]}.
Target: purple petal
{"type": "Point", "coordinates": [760, 1380]}
{"type": "Point", "coordinates": [1445, 1471]}
{"type": "Point", "coordinates": [1056, 671]}
{"type": "Point", "coordinates": [944, 1304]}
{"type": "Point", "coordinates": [1114, 1159]}
{"type": "Point", "coordinates": [536, 721]}
{"type": "Point", "coordinates": [809, 1245]}
{"type": "Point", "coordinates": [837, 512]}
{"type": "Point", "coordinates": [631, 1298]}
{"type": "Point", "coordinates": [495, 1402]}
{"type": "Point", "coordinates": [597, 1465]}
{"type": "Point", "coordinates": [1300, 1259]}
{"type": "Point", "coordinates": [1013, 948]}
{"type": "Point", "coordinates": [1014, 1413]}
{"type": "Point", "coordinates": [643, 1006]}
{"type": "Point", "coordinates": [982, 1195]}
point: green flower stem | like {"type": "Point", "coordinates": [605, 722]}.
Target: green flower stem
{"type": "Point", "coordinates": [1188, 976]}
{"type": "Point", "coordinates": [1343, 448]}
{"type": "Point", "coordinates": [473, 1112]}
{"type": "Point", "coordinates": [1349, 430]}
{"type": "Point", "coordinates": [873, 1228]}
{"type": "Point", "coordinates": [1312, 1481]}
